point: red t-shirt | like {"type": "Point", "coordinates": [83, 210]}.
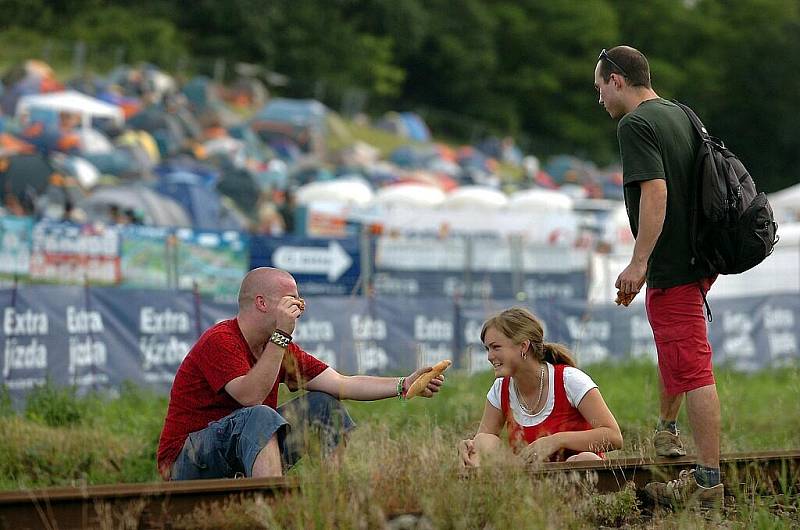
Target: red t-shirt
{"type": "Point", "coordinates": [198, 394]}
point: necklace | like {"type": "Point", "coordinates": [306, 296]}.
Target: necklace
{"type": "Point", "coordinates": [524, 404]}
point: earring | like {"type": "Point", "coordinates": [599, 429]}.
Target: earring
{"type": "Point", "coordinates": [524, 355]}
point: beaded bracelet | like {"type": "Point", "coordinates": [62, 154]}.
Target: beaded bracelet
{"type": "Point", "coordinates": [400, 390]}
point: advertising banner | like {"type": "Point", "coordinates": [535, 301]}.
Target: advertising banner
{"type": "Point", "coordinates": [16, 235]}
{"type": "Point", "coordinates": [98, 337]}
{"type": "Point", "coordinates": [148, 256]}
{"type": "Point", "coordinates": [70, 253]}
{"type": "Point", "coordinates": [214, 261]}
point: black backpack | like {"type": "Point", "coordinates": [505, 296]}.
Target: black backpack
{"type": "Point", "coordinates": [732, 228]}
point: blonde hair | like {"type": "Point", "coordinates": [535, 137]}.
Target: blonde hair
{"type": "Point", "coordinates": [519, 324]}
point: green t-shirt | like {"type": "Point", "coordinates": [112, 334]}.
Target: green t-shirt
{"type": "Point", "coordinates": [657, 141]}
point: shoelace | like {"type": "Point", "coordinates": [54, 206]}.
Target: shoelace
{"type": "Point", "coordinates": [675, 485]}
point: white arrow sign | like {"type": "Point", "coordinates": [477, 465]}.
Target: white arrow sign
{"type": "Point", "coordinates": [333, 261]}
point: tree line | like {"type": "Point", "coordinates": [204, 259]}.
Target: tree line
{"type": "Point", "coordinates": [521, 67]}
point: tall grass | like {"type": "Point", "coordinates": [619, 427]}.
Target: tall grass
{"type": "Point", "coordinates": [402, 458]}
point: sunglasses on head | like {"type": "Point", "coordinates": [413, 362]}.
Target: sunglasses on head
{"type": "Point", "coordinates": [604, 56]}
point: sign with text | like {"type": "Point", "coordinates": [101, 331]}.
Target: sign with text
{"type": "Point", "coordinates": [320, 266]}
{"type": "Point", "coordinates": [70, 253]}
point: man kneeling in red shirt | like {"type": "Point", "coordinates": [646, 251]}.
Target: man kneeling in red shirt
{"type": "Point", "coordinates": [223, 418]}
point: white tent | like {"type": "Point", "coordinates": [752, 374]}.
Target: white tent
{"type": "Point", "coordinates": [409, 196]}
{"type": "Point", "coordinates": [475, 197]}
{"type": "Point", "coordinates": [93, 142]}
{"type": "Point", "coordinates": [85, 172]}
{"type": "Point", "coordinates": [72, 101]}
{"type": "Point", "coordinates": [539, 200]}
{"type": "Point", "coordinates": [790, 234]}
{"type": "Point", "coordinates": [617, 229]}
{"type": "Point", "coordinates": [350, 191]}
{"type": "Point", "coordinates": [786, 203]}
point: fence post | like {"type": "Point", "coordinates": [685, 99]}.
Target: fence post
{"type": "Point", "coordinates": [366, 261]}
{"type": "Point", "coordinates": [517, 263]}
{"type": "Point", "coordinates": [198, 316]}
{"type": "Point", "coordinates": [171, 260]}
{"type": "Point", "coordinates": [468, 257]}
{"type": "Point", "coordinates": [88, 307]}
{"type": "Point", "coordinates": [459, 354]}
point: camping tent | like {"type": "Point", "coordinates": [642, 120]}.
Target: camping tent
{"type": "Point", "coordinates": [25, 177]}
{"type": "Point", "coordinates": [201, 202]}
{"type": "Point", "coordinates": [786, 203]}
{"type": "Point", "coordinates": [351, 191]}
{"type": "Point", "coordinates": [409, 196]}
{"type": "Point", "coordinates": [156, 209]}
{"type": "Point", "coordinates": [74, 102]}
{"type": "Point", "coordinates": [539, 199]}
{"type": "Point", "coordinates": [475, 197]}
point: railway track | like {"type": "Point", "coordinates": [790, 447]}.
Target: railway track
{"type": "Point", "coordinates": [155, 505]}
{"type": "Point", "coordinates": [769, 471]}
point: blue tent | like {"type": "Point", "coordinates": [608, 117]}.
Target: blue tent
{"type": "Point", "coordinates": [301, 120]}
{"type": "Point", "coordinates": [200, 201]}
{"type": "Point", "coordinates": [208, 175]}
{"type": "Point", "coordinates": [416, 127]}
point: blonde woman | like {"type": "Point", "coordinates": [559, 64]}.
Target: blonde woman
{"type": "Point", "coordinates": [552, 410]}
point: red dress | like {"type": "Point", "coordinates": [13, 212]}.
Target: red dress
{"type": "Point", "coordinates": [564, 417]}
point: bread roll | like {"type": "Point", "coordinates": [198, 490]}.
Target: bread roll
{"type": "Point", "coordinates": [624, 299]}
{"type": "Point", "coordinates": [418, 386]}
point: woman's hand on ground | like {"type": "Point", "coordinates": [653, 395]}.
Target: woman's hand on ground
{"type": "Point", "coordinates": [467, 453]}
{"type": "Point", "coordinates": [540, 450]}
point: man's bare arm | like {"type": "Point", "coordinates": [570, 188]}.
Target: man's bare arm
{"type": "Point", "coordinates": [652, 211]}
{"type": "Point", "coordinates": [254, 387]}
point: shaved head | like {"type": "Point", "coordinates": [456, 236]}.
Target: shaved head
{"type": "Point", "coordinates": [268, 282]}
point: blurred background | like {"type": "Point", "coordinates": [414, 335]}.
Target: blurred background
{"type": "Point", "coordinates": [416, 165]}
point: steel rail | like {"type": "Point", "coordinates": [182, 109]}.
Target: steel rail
{"type": "Point", "coordinates": [154, 505]}
{"type": "Point", "coordinates": [770, 471]}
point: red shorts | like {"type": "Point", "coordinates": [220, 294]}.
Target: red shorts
{"type": "Point", "coordinates": [679, 327]}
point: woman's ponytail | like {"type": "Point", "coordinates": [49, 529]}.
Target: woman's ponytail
{"type": "Point", "coordinates": [555, 353]}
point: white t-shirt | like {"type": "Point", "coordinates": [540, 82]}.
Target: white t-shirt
{"type": "Point", "coordinates": [576, 385]}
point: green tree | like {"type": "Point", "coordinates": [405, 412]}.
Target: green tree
{"type": "Point", "coordinates": [754, 111]}
{"type": "Point", "coordinates": [143, 38]}
{"type": "Point", "coordinates": [548, 52]}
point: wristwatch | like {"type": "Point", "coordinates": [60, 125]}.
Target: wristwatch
{"type": "Point", "coordinates": [280, 338]}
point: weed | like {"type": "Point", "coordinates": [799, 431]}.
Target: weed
{"type": "Point", "coordinates": [54, 405]}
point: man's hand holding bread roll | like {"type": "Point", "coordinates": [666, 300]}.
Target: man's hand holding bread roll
{"type": "Point", "coordinates": [426, 381]}
{"type": "Point", "coordinates": [624, 299]}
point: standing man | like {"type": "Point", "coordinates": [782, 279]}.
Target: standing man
{"type": "Point", "coordinates": [658, 145]}
{"type": "Point", "coordinates": [223, 419]}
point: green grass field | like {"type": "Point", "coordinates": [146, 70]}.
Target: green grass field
{"type": "Point", "coordinates": [402, 457]}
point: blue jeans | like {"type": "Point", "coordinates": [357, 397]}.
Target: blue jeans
{"type": "Point", "coordinates": [230, 445]}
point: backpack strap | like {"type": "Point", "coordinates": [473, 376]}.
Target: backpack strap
{"type": "Point", "coordinates": [694, 208]}
{"type": "Point", "coordinates": [696, 123]}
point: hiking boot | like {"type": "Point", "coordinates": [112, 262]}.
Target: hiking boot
{"type": "Point", "coordinates": [684, 492]}
{"type": "Point", "coordinates": [668, 444]}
